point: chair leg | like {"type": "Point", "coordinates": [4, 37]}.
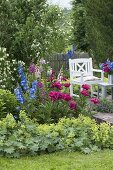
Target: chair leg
{"type": "Point", "coordinates": [71, 90]}
{"type": "Point", "coordinates": [91, 91]}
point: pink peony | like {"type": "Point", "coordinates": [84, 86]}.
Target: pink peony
{"type": "Point", "coordinates": [58, 85]}
{"type": "Point", "coordinates": [72, 105]}
{"type": "Point", "coordinates": [66, 84]}
{"type": "Point", "coordinates": [95, 100]}
{"type": "Point", "coordinates": [86, 86]}
{"type": "Point", "coordinates": [63, 78]}
{"type": "Point", "coordinates": [54, 95]}
{"type": "Point", "coordinates": [84, 93]}
{"type": "Point", "coordinates": [67, 97]}
{"type": "Point", "coordinates": [106, 69]}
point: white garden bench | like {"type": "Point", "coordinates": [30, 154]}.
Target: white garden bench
{"type": "Point", "coordinates": [82, 72]}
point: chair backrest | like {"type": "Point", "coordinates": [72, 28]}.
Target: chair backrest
{"type": "Point", "coordinates": [81, 65]}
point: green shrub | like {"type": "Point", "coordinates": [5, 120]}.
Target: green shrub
{"type": "Point", "coordinates": [8, 103]}
{"type": "Point", "coordinates": [28, 137]}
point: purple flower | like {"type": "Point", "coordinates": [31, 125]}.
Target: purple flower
{"type": "Point", "coordinates": [32, 68]}
{"type": "Point", "coordinates": [40, 85]}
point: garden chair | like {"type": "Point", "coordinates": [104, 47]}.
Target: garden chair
{"type": "Point", "coordinates": [81, 72]}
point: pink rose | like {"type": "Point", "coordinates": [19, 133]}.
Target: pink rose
{"type": "Point", "coordinates": [84, 93]}
{"type": "Point", "coordinates": [72, 105]}
{"type": "Point", "coordinates": [95, 100]}
{"type": "Point", "coordinates": [86, 86]}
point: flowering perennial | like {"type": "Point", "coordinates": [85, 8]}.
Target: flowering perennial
{"type": "Point", "coordinates": [23, 78]}
{"type": "Point", "coordinates": [94, 100]}
{"type": "Point", "coordinates": [107, 66]}
{"type": "Point", "coordinates": [18, 94]}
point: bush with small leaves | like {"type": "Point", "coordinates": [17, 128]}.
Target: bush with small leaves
{"type": "Point", "coordinates": [8, 103]}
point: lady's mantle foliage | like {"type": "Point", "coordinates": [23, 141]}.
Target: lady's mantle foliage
{"type": "Point", "coordinates": [28, 137]}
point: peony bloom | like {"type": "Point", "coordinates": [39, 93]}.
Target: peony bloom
{"type": "Point", "coordinates": [58, 85]}
{"type": "Point", "coordinates": [72, 105]}
{"type": "Point", "coordinates": [63, 78]}
{"type": "Point", "coordinates": [86, 86]}
{"type": "Point", "coordinates": [106, 69]}
{"type": "Point", "coordinates": [54, 95]}
{"type": "Point", "coordinates": [84, 93]}
{"type": "Point", "coordinates": [67, 97]}
{"type": "Point", "coordinates": [95, 100]}
{"type": "Point", "coordinates": [66, 84]}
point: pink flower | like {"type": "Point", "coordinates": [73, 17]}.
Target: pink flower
{"type": "Point", "coordinates": [67, 97]}
{"type": "Point", "coordinates": [63, 78]}
{"type": "Point", "coordinates": [66, 84]}
{"type": "Point", "coordinates": [58, 85]}
{"type": "Point", "coordinates": [106, 69]}
{"type": "Point", "coordinates": [86, 86]}
{"type": "Point", "coordinates": [95, 100]}
{"type": "Point", "coordinates": [54, 95]}
{"type": "Point", "coordinates": [84, 93]}
{"type": "Point", "coordinates": [72, 105]}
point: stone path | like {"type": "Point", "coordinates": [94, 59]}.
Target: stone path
{"type": "Point", "coordinates": [104, 117]}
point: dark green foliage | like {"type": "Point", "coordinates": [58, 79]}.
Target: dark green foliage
{"type": "Point", "coordinates": [79, 26]}
{"type": "Point", "coordinates": [100, 28]}
{"type": "Point", "coordinates": [8, 103]}
{"type": "Point", "coordinates": [93, 24]}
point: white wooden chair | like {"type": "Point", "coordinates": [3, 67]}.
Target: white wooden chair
{"type": "Point", "coordinates": [81, 72]}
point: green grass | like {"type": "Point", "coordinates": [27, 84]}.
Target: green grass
{"type": "Point", "coordinates": [61, 161]}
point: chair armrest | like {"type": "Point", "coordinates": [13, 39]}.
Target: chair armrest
{"type": "Point", "coordinates": [100, 71]}
{"type": "Point", "coordinates": [97, 70]}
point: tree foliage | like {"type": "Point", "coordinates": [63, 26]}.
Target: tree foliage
{"type": "Point", "coordinates": [100, 28]}
{"type": "Point", "coordinates": [79, 25]}
{"type": "Point", "coordinates": [93, 27]}
{"type": "Point", "coordinates": [28, 27]}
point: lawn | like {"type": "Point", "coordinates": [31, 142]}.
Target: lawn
{"type": "Point", "coordinates": [61, 161]}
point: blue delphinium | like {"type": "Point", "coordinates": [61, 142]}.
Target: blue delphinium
{"type": "Point", "coordinates": [33, 89]}
{"type": "Point", "coordinates": [19, 96]}
{"type": "Point", "coordinates": [23, 78]}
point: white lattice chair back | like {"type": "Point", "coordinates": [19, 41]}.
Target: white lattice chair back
{"type": "Point", "coordinates": [80, 65]}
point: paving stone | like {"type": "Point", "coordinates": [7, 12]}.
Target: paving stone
{"type": "Point", "coordinates": [104, 117]}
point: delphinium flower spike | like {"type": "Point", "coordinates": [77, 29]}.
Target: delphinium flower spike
{"type": "Point", "coordinates": [23, 78]}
